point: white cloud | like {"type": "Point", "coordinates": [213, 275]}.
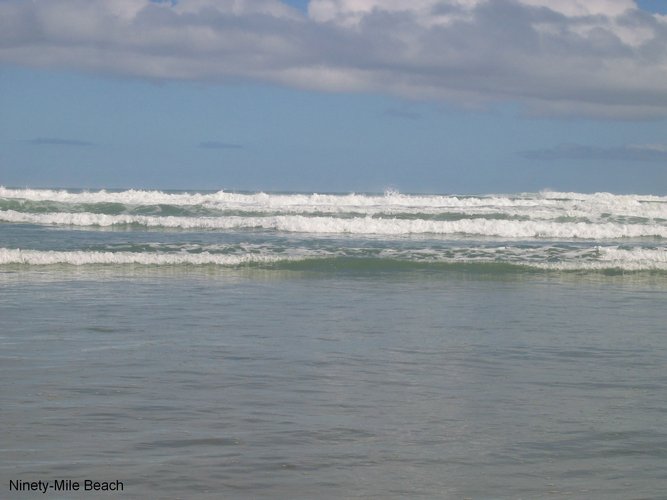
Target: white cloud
{"type": "Point", "coordinates": [601, 58]}
{"type": "Point", "coordinates": [351, 12]}
{"type": "Point", "coordinates": [585, 7]}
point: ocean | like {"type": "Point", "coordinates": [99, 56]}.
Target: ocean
{"type": "Point", "coordinates": [290, 345]}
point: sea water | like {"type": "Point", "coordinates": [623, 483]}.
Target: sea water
{"type": "Point", "coordinates": [253, 345]}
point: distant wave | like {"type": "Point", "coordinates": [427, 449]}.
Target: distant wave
{"type": "Point", "coordinates": [537, 231]}
{"type": "Point", "coordinates": [356, 225]}
{"type": "Point", "coordinates": [542, 205]}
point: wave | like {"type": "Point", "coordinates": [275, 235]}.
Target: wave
{"type": "Point", "coordinates": [543, 258]}
{"type": "Point", "coordinates": [544, 205]}
{"type": "Point", "coordinates": [545, 231]}
{"type": "Point", "coordinates": [357, 225]}
{"type": "Point", "coordinates": [82, 258]}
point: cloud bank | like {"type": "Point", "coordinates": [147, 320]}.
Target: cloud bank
{"type": "Point", "coordinates": [600, 58]}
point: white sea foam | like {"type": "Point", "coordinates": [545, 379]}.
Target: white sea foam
{"type": "Point", "coordinates": [356, 225]}
{"type": "Point", "coordinates": [256, 226]}
{"type": "Point", "coordinates": [543, 205]}
{"type": "Point", "coordinates": [547, 258]}
{"type": "Point", "coordinates": [81, 258]}
{"type": "Point", "coordinates": [637, 259]}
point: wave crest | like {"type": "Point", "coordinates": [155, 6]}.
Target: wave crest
{"type": "Point", "coordinates": [357, 225]}
{"type": "Point", "coordinates": [542, 258]}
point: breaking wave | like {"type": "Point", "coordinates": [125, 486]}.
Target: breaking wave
{"type": "Point", "coordinates": [542, 205]}
{"type": "Point", "coordinates": [544, 258]}
{"type": "Point", "coordinates": [356, 225]}
{"type": "Point", "coordinates": [536, 231]}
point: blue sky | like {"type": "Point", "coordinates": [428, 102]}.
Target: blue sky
{"type": "Point", "coordinates": [351, 95]}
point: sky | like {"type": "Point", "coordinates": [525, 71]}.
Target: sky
{"type": "Point", "coordinates": [427, 96]}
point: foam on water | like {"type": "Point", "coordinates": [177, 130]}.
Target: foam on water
{"type": "Point", "coordinates": [547, 230]}
{"type": "Point", "coordinates": [548, 204]}
{"type": "Point", "coordinates": [81, 258]}
{"type": "Point", "coordinates": [546, 258]}
{"type": "Point", "coordinates": [355, 225]}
